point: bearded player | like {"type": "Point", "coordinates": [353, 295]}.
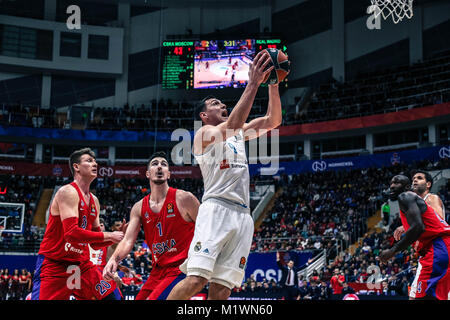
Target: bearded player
{"type": "Point", "coordinates": [421, 185]}
{"type": "Point", "coordinates": [422, 223]}
{"type": "Point", "coordinates": [63, 267]}
{"type": "Point", "coordinates": [168, 217]}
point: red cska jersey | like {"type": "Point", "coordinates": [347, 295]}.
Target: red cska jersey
{"type": "Point", "coordinates": [434, 227]}
{"type": "Point", "coordinates": [167, 233]}
{"type": "Point", "coordinates": [55, 247]}
{"type": "Point", "coordinates": [101, 259]}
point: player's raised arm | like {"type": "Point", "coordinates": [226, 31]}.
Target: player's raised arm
{"type": "Point", "coordinates": [67, 201]}
{"type": "Point", "coordinates": [271, 120]}
{"type": "Point", "coordinates": [256, 75]}
{"type": "Point", "coordinates": [214, 114]}
{"type": "Point", "coordinates": [127, 244]}
{"type": "Point", "coordinates": [188, 205]}
{"type": "Point", "coordinates": [408, 204]}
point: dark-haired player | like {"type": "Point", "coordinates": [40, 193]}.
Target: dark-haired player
{"type": "Point", "coordinates": [63, 267]}
{"type": "Point", "coordinates": [422, 181]}
{"type": "Point", "coordinates": [168, 217]}
{"type": "Point", "coordinates": [422, 223]}
{"type": "Point", "coordinates": [224, 226]}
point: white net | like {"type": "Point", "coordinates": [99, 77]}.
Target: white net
{"type": "Point", "coordinates": [396, 9]}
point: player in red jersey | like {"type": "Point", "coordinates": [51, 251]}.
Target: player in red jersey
{"type": "Point", "coordinates": [422, 181]}
{"type": "Point", "coordinates": [168, 217]}
{"type": "Point", "coordinates": [63, 267]}
{"type": "Point", "coordinates": [100, 257]}
{"type": "Point", "coordinates": [422, 223]}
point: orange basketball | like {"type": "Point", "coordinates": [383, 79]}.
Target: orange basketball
{"type": "Point", "coordinates": [282, 66]}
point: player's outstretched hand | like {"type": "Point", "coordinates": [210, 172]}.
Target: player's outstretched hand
{"type": "Point", "coordinates": [256, 73]}
{"type": "Point", "coordinates": [110, 269]}
{"type": "Point", "coordinates": [115, 236]}
{"type": "Point", "coordinates": [398, 233]}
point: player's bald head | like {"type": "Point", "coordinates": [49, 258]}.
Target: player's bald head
{"type": "Point", "coordinates": [402, 179]}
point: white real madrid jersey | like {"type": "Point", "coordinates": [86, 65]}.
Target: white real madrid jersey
{"type": "Point", "coordinates": [225, 172]}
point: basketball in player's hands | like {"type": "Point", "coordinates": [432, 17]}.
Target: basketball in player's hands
{"type": "Point", "coordinates": [282, 66]}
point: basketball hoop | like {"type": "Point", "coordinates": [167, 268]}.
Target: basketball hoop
{"type": "Point", "coordinates": [397, 9]}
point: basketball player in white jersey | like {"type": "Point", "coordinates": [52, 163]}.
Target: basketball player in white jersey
{"type": "Point", "coordinates": [422, 183]}
{"type": "Point", "coordinates": [224, 227]}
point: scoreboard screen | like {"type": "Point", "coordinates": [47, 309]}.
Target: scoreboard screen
{"type": "Point", "coordinates": [178, 64]}
{"type": "Point", "coordinates": [208, 64]}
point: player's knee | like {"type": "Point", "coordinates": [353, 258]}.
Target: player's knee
{"type": "Point", "coordinates": [218, 292]}
{"type": "Point", "coordinates": [196, 282]}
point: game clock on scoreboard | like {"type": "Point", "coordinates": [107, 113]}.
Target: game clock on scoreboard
{"type": "Point", "coordinates": [180, 58]}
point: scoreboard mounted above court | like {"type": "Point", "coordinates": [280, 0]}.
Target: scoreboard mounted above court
{"type": "Point", "coordinates": [210, 63]}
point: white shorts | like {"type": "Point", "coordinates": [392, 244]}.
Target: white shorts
{"type": "Point", "coordinates": [221, 243]}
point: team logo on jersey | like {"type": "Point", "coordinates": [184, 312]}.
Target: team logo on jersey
{"type": "Point", "coordinates": [242, 262]}
{"type": "Point", "coordinates": [232, 147]}
{"type": "Point", "coordinates": [169, 208]}
{"type": "Point", "coordinates": [224, 164]}
{"type": "Point", "coordinates": [197, 246]}
{"type": "Point", "coordinates": [82, 204]}
{"type": "Point", "coordinates": [68, 247]}
{"type": "Point", "coordinates": [92, 207]}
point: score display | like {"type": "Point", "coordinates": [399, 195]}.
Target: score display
{"type": "Point", "coordinates": [178, 64]}
{"type": "Point", "coordinates": [207, 64]}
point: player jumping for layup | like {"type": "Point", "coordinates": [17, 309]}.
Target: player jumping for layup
{"type": "Point", "coordinates": [64, 251]}
{"type": "Point", "coordinates": [168, 217]}
{"type": "Point", "coordinates": [224, 226]}
{"type": "Point", "coordinates": [422, 223]}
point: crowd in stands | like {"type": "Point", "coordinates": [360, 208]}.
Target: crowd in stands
{"type": "Point", "coordinates": [423, 84]}
{"type": "Point", "coordinates": [19, 115]}
{"type": "Point", "coordinates": [26, 190]}
{"type": "Point", "coordinates": [315, 211]}
{"type": "Point", "coordinates": [363, 266]}
{"type": "Point", "coordinates": [399, 88]}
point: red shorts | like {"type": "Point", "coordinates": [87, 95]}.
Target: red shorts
{"type": "Point", "coordinates": [160, 283]}
{"type": "Point", "coordinates": [57, 280]}
{"type": "Point", "coordinates": [433, 272]}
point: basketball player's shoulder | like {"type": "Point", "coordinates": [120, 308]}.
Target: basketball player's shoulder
{"type": "Point", "coordinates": [407, 196]}
{"type": "Point", "coordinates": [67, 192]}
{"type": "Point", "coordinates": [183, 196]}
{"type": "Point", "coordinates": [97, 202]}
{"type": "Point", "coordinates": [137, 207]}
{"type": "Point", "coordinates": [434, 197]}
{"type": "Point", "coordinates": [435, 201]}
